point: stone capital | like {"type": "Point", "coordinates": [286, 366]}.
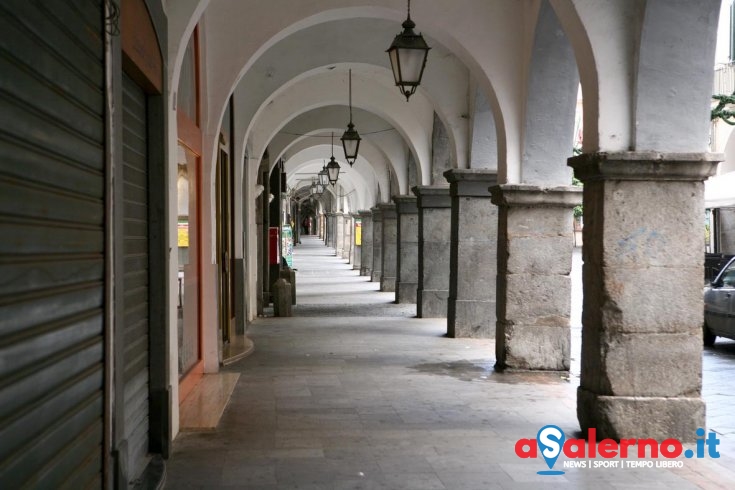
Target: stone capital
{"type": "Point", "coordinates": [377, 213]}
{"type": "Point", "coordinates": [365, 213]}
{"type": "Point", "coordinates": [533, 196]}
{"type": "Point", "coordinates": [432, 196]}
{"type": "Point", "coordinates": [645, 165]}
{"type": "Point", "coordinates": [471, 182]}
{"type": "Point", "coordinates": [406, 204]}
{"type": "Point", "coordinates": [387, 210]}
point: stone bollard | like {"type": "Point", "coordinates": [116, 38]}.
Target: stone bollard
{"type": "Point", "coordinates": [282, 298]}
{"type": "Point", "coordinates": [290, 275]}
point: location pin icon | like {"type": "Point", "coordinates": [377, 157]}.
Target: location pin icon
{"type": "Point", "coordinates": [550, 440]}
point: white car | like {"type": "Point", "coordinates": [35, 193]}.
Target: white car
{"type": "Point", "coordinates": [719, 305]}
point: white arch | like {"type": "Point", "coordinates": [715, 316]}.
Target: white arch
{"type": "Point", "coordinates": [370, 163]}
{"type": "Point", "coordinates": [360, 177]}
{"type": "Point", "coordinates": [414, 124]}
{"type": "Point", "coordinates": [445, 84]}
{"type": "Point", "coordinates": [490, 43]}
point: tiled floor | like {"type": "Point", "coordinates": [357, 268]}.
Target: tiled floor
{"type": "Point", "coordinates": [355, 393]}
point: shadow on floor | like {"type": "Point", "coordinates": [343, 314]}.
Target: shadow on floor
{"type": "Point", "coordinates": [357, 310]}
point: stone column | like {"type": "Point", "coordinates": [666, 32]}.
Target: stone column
{"type": "Point", "coordinates": [534, 289]}
{"type": "Point", "coordinates": [377, 269]}
{"type": "Point", "coordinates": [356, 255]}
{"type": "Point", "coordinates": [347, 245]}
{"type": "Point", "coordinates": [642, 312]}
{"type": "Point", "coordinates": [407, 267]}
{"type": "Point", "coordinates": [435, 218]}
{"type": "Point", "coordinates": [339, 221]}
{"type": "Point", "coordinates": [366, 250]}
{"type": "Point", "coordinates": [390, 248]}
{"type": "Point", "coordinates": [331, 240]}
{"type": "Point", "coordinates": [473, 254]}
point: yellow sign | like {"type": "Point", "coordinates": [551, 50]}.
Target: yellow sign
{"type": "Point", "coordinates": [358, 232]}
{"type": "Point", "coordinates": [183, 233]}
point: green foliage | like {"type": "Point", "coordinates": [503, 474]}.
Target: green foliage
{"type": "Point", "coordinates": [578, 210]}
{"type": "Point", "coordinates": [721, 111]}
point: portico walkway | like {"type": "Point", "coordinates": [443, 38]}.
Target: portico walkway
{"type": "Point", "coordinates": [353, 392]}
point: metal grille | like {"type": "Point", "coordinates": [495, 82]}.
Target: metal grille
{"type": "Point", "coordinates": [135, 279]}
{"type": "Point", "coordinates": [52, 222]}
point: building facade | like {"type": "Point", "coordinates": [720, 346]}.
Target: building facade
{"type": "Point", "coordinates": [152, 152]}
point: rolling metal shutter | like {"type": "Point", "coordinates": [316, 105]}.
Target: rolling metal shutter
{"type": "Point", "coordinates": [135, 278]}
{"type": "Point", "coordinates": [52, 244]}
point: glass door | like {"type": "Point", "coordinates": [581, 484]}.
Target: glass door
{"type": "Point", "coordinates": [189, 270]}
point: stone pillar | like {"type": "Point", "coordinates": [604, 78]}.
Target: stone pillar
{"type": "Point", "coordinates": [534, 289]}
{"type": "Point", "coordinates": [435, 218]}
{"type": "Point", "coordinates": [339, 233]}
{"type": "Point", "coordinates": [331, 240]}
{"type": "Point", "coordinates": [377, 269]}
{"type": "Point", "coordinates": [390, 248]}
{"type": "Point", "coordinates": [366, 250]}
{"type": "Point", "coordinates": [407, 267]}
{"type": "Point", "coordinates": [642, 312]}
{"type": "Point", "coordinates": [356, 256]}
{"type": "Point", "coordinates": [347, 245]}
{"type": "Point", "coordinates": [326, 229]}
{"type": "Point", "coordinates": [473, 254]}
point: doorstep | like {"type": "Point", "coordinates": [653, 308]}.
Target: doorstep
{"type": "Point", "coordinates": [202, 409]}
{"type": "Point", "coordinates": [238, 348]}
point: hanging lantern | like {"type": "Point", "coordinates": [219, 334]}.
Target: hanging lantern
{"type": "Point", "coordinates": [333, 167]}
{"type": "Point", "coordinates": [350, 138]}
{"type": "Point", "coordinates": [323, 175]}
{"type": "Point", "coordinates": [408, 54]}
{"type": "Point", "coordinates": [333, 170]}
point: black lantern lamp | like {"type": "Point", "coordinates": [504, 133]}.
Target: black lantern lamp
{"type": "Point", "coordinates": [313, 189]}
{"type": "Point", "coordinates": [408, 54]}
{"type": "Point", "coordinates": [350, 138]}
{"type": "Point", "coordinates": [333, 167]}
{"type": "Point", "coordinates": [319, 189]}
{"type": "Point", "coordinates": [324, 175]}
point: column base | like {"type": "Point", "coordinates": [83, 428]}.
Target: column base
{"type": "Point", "coordinates": [387, 284]}
{"type": "Point", "coordinates": [364, 271]}
{"type": "Point", "coordinates": [532, 348]}
{"type": "Point", "coordinates": [432, 303]}
{"type": "Point", "coordinates": [406, 292]}
{"type": "Point", "coordinates": [375, 276]}
{"type": "Point", "coordinates": [623, 417]}
{"type": "Point", "coordinates": [471, 319]}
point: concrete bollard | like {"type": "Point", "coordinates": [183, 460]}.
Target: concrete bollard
{"type": "Point", "coordinates": [282, 298]}
{"type": "Point", "coordinates": [290, 275]}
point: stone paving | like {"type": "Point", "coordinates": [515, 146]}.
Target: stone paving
{"type": "Point", "coordinates": [354, 392]}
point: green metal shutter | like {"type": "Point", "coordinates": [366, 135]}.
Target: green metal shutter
{"type": "Point", "coordinates": [135, 276]}
{"type": "Point", "coordinates": [52, 244]}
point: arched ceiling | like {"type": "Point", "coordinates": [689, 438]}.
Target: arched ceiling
{"type": "Point", "coordinates": [489, 44]}
{"type": "Point", "coordinates": [281, 66]}
{"type": "Point", "coordinates": [360, 179]}
{"type": "Point", "coordinates": [373, 92]}
{"type": "Point", "coordinates": [382, 146]}
{"type": "Point", "coordinates": [268, 46]}
{"type": "Point", "coordinates": [370, 165]}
